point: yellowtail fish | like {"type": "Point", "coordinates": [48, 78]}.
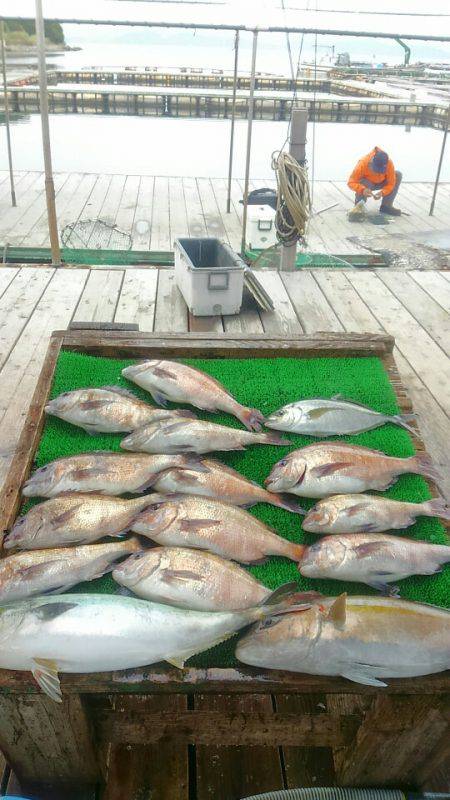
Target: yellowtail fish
{"type": "Point", "coordinates": [220, 483]}
{"type": "Point", "coordinates": [364, 639]}
{"type": "Point", "coordinates": [332, 468]}
{"type": "Point", "coordinates": [376, 559]}
{"type": "Point", "coordinates": [57, 570]}
{"type": "Point", "coordinates": [353, 513]}
{"type": "Point", "coordinates": [103, 472]}
{"type": "Point", "coordinates": [328, 417]}
{"type": "Point", "coordinates": [171, 380]}
{"type": "Point", "coordinates": [191, 579]}
{"type": "Point", "coordinates": [74, 519]}
{"type": "Point", "coordinates": [194, 436]}
{"type": "Point", "coordinates": [206, 524]}
{"type": "Point", "coordinates": [98, 632]}
{"type": "Point", "coordinates": [109, 409]}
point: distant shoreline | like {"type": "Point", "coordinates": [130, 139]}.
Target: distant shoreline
{"type": "Point", "coordinates": [30, 49]}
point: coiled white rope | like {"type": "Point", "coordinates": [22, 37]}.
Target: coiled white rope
{"type": "Point", "coordinates": [293, 198]}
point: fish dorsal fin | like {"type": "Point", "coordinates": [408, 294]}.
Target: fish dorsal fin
{"type": "Point", "coordinates": [337, 613]}
{"type": "Point", "coordinates": [45, 673]}
{"type": "Point", "coordinates": [122, 391]}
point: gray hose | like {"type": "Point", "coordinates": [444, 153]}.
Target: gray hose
{"type": "Point", "coordinates": [330, 794]}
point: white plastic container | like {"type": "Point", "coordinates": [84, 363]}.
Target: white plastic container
{"type": "Point", "coordinates": [261, 227]}
{"type": "Point", "coordinates": [209, 275]}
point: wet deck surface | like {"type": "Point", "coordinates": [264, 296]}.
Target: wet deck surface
{"type": "Point", "coordinates": [156, 210]}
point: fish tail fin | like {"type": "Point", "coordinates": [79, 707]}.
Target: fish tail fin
{"type": "Point", "coordinates": [285, 599]}
{"type": "Point", "coordinates": [437, 507]}
{"type": "Point", "coordinates": [250, 417]}
{"type": "Point", "coordinates": [273, 438]}
{"type": "Point", "coordinates": [403, 420]}
{"type": "Point", "coordinates": [423, 465]}
{"type": "Point", "coordinates": [297, 551]}
{"type": "Point", "coordinates": [286, 503]}
{"type": "Point", "coordinates": [132, 545]}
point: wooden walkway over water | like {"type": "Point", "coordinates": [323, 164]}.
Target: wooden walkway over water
{"type": "Point", "coordinates": [156, 210]}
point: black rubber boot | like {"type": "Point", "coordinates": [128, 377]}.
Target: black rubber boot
{"type": "Point", "coordinates": [393, 212]}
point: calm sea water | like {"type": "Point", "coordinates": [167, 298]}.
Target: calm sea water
{"type": "Point", "coordinates": [199, 147]}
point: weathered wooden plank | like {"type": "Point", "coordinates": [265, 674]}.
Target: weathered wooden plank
{"type": "Point", "coordinates": [231, 772]}
{"type": "Point", "coordinates": [217, 726]}
{"type": "Point", "coordinates": [7, 275]}
{"type": "Point", "coordinates": [113, 199]}
{"type": "Point", "coordinates": [149, 772]}
{"type": "Point", "coordinates": [214, 324]}
{"type": "Point", "coordinates": [248, 319]}
{"type": "Point", "coordinates": [426, 311]}
{"type": "Point", "coordinates": [306, 765]}
{"type": "Point", "coordinates": [283, 318]}
{"type": "Point", "coordinates": [161, 238]}
{"type": "Point", "coordinates": [435, 284]}
{"type": "Point", "coordinates": [231, 221]}
{"type": "Point", "coordinates": [22, 229]}
{"type": "Point", "coordinates": [71, 208]}
{"type": "Point", "coordinates": [171, 314]}
{"type": "Point", "coordinates": [196, 220]}
{"type": "Point", "coordinates": [47, 742]}
{"type": "Point", "coordinates": [18, 303]}
{"type": "Point", "coordinates": [143, 216]}
{"type": "Point", "coordinates": [178, 215]}
{"type": "Point", "coordinates": [99, 298]}
{"type": "Point", "coordinates": [394, 740]}
{"type": "Point", "coordinates": [127, 209]}
{"type": "Point", "coordinates": [313, 309]}
{"type": "Point", "coordinates": [211, 212]}
{"type": "Point", "coordinates": [137, 298]}
{"type": "Point", "coordinates": [418, 347]}
{"type": "Point", "coordinates": [30, 190]}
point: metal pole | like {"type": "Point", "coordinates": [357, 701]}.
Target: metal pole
{"type": "Point", "coordinates": [43, 96]}
{"type": "Point", "coordinates": [233, 112]}
{"type": "Point", "coordinates": [6, 104]}
{"type": "Point", "coordinates": [251, 108]}
{"type": "Point", "coordinates": [441, 158]}
{"type": "Point", "coordinates": [297, 148]}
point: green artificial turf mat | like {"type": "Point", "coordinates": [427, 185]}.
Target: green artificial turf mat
{"type": "Point", "coordinates": [266, 384]}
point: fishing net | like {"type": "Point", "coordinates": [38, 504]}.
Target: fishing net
{"type": "Point", "coordinates": [95, 234]}
{"type": "Point", "coordinates": [270, 258]}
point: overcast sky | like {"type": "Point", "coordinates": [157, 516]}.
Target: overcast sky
{"type": "Point", "coordinates": [262, 12]}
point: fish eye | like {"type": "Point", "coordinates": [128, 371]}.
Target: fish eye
{"type": "Point", "coordinates": [20, 521]}
{"type": "Point", "coordinates": [155, 506]}
{"type": "Point", "coordinates": [269, 623]}
{"type": "Point", "coordinates": [43, 469]}
{"type": "Point", "coordinates": [283, 462]}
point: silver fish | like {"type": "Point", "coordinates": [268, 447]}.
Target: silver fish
{"type": "Point", "coordinates": [98, 632]}
{"type": "Point", "coordinates": [190, 579]}
{"type": "Point", "coordinates": [32, 573]}
{"type": "Point", "coordinates": [73, 519]}
{"type": "Point", "coordinates": [171, 380]}
{"type": "Point", "coordinates": [364, 639]}
{"type": "Point", "coordinates": [194, 436]}
{"type": "Point", "coordinates": [348, 513]}
{"type": "Point", "coordinates": [329, 468]}
{"type": "Point", "coordinates": [328, 417]}
{"type": "Point", "coordinates": [221, 483]}
{"type": "Point", "coordinates": [104, 472]}
{"type": "Point", "coordinates": [109, 409]}
{"type": "Point", "coordinates": [373, 558]}
{"type": "Point", "coordinates": [206, 524]}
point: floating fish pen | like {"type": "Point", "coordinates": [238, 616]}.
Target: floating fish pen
{"type": "Point", "coordinates": [217, 104]}
{"type": "Point", "coordinates": [355, 735]}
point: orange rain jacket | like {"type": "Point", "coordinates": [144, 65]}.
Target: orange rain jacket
{"type": "Point", "coordinates": [362, 170]}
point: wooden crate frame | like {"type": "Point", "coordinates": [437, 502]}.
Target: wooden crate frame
{"type": "Point", "coordinates": [405, 719]}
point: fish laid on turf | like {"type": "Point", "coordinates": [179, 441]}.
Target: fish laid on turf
{"type": "Point", "coordinates": [373, 558]}
{"type": "Point", "coordinates": [74, 518]}
{"type": "Point", "coordinates": [191, 579]}
{"type": "Point", "coordinates": [194, 436]}
{"type": "Point", "coordinates": [329, 417]}
{"type": "Point", "coordinates": [109, 409]}
{"type": "Point", "coordinates": [353, 513]}
{"type": "Point", "coordinates": [207, 524]}
{"type": "Point", "coordinates": [171, 380]}
{"type": "Point", "coordinates": [364, 639]}
{"type": "Point", "coordinates": [221, 483]}
{"type": "Point", "coordinates": [104, 472]}
{"type": "Point", "coordinates": [98, 632]}
{"type": "Point", "coordinates": [57, 570]}
{"type": "Point", "coordinates": [329, 468]}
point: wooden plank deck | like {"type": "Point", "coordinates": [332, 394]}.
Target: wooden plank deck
{"type": "Point", "coordinates": [412, 306]}
{"type": "Point", "coordinates": [156, 210]}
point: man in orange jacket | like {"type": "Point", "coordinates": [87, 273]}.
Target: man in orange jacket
{"type": "Point", "coordinates": [375, 176]}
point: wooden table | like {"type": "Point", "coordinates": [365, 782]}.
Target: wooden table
{"type": "Point", "coordinates": [140, 721]}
